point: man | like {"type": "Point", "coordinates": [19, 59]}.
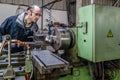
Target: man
{"type": "Point", "coordinates": [21, 26]}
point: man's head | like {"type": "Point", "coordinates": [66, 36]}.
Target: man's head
{"type": "Point", "coordinates": [34, 12]}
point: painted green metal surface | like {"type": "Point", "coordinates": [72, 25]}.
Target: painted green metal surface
{"type": "Point", "coordinates": [84, 40]}
{"type": "Point", "coordinates": [98, 33]}
{"type": "Point", "coordinates": [114, 75]}
{"type": "Point", "coordinates": [79, 73]}
{"type": "Point", "coordinates": [28, 66]}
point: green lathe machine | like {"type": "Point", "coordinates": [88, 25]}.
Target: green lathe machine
{"type": "Point", "coordinates": [88, 51]}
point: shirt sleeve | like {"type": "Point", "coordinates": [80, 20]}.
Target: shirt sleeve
{"type": "Point", "coordinates": [4, 27]}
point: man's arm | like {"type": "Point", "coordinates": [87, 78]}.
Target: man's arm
{"type": "Point", "coordinates": [4, 27]}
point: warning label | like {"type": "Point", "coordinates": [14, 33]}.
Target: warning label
{"type": "Point", "coordinates": [110, 34]}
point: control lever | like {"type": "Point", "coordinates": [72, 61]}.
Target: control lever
{"type": "Point", "coordinates": [9, 72]}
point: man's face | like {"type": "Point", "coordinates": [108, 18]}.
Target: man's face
{"type": "Point", "coordinates": [36, 13]}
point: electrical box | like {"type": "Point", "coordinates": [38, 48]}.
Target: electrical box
{"type": "Point", "coordinates": [98, 33]}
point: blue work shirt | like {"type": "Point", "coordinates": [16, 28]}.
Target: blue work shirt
{"type": "Point", "coordinates": [15, 26]}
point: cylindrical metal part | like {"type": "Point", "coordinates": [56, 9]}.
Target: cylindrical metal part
{"type": "Point", "coordinates": [62, 38]}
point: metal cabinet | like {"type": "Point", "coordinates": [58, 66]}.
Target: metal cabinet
{"type": "Point", "coordinates": [98, 36]}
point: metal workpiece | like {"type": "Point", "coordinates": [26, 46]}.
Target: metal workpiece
{"type": "Point", "coordinates": [62, 38]}
{"type": "Point", "coordinates": [45, 61]}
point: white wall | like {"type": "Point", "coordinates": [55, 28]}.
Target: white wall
{"type": "Point", "coordinates": [7, 10]}
{"type": "Point", "coordinates": [60, 5]}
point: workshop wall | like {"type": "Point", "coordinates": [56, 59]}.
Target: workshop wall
{"type": "Point", "coordinates": [61, 5]}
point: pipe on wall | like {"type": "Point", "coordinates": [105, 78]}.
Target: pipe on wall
{"type": "Point", "coordinates": [92, 1]}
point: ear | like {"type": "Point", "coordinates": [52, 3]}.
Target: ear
{"type": "Point", "coordinates": [29, 12]}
